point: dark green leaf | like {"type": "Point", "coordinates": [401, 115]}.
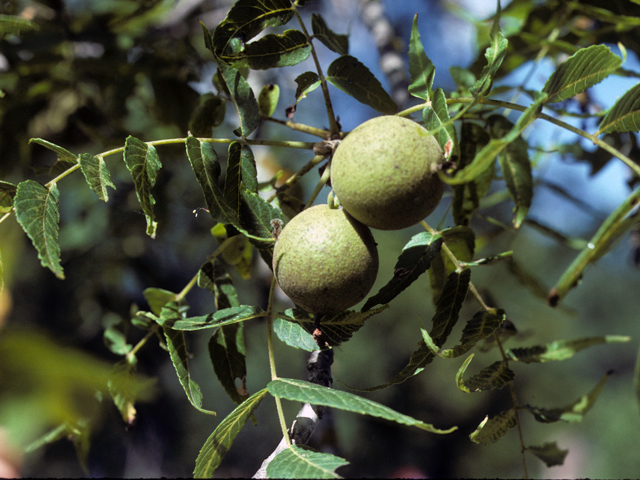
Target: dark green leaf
{"type": "Point", "coordinates": [126, 387]}
{"type": "Point", "coordinates": [177, 347]}
{"type": "Point", "coordinates": [228, 357]}
{"type": "Point", "coordinates": [355, 79]}
{"type": "Point", "coordinates": [415, 259]}
{"type": "Point", "coordinates": [583, 69]}
{"type": "Point", "coordinates": [436, 119]}
{"type": "Point", "coordinates": [483, 324]}
{"type": "Point", "coordinates": [38, 213]}
{"type": "Point", "coordinates": [492, 429]}
{"type": "Point", "coordinates": [273, 50]}
{"type": "Point", "coordinates": [214, 277]}
{"type": "Point", "coordinates": [15, 24]}
{"type": "Point", "coordinates": [298, 461]}
{"type": "Point", "coordinates": [307, 82]}
{"type": "Point", "coordinates": [242, 168]}
{"type": "Point", "coordinates": [206, 167]}
{"type": "Point", "coordinates": [449, 305]}
{"type": "Point", "coordinates": [220, 441]}
{"type": "Point", "coordinates": [256, 215]}
{"type": "Point", "coordinates": [208, 114]}
{"type": "Point", "coordinates": [495, 54]}
{"type": "Point", "coordinates": [7, 193]}
{"type": "Point", "coordinates": [461, 242]}
{"type": "Point", "coordinates": [624, 115]}
{"type": "Point", "coordinates": [421, 69]}
{"type": "Point", "coordinates": [560, 349]}
{"type": "Point", "coordinates": [294, 335]}
{"type": "Point", "coordinates": [220, 318]}
{"type": "Point", "coordinates": [549, 453]}
{"type": "Point", "coordinates": [64, 155]}
{"type": "Point", "coordinates": [245, 20]}
{"type": "Point", "coordinates": [243, 98]}
{"type": "Point", "coordinates": [143, 163]}
{"type": "Point", "coordinates": [494, 377]}
{"type": "Point", "coordinates": [333, 41]}
{"type": "Point", "coordinates": [157, 298]}
{"type": "Point", "coordinates": [572, 413]}
{"type": "Point", "coordinates": [268, 99]}
{"type": "Point", "coordinates": [306, 392]}
{"type": "Point", "coordinates": [97, 175]}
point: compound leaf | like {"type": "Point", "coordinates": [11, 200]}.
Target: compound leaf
{"type": "Point", "coordinates": [306, 392]}
{"type": "Point", "coordinates": [143, 163]}
{"type": "Point", "coordinates": [38, 213]}
{"type": "Point", "coordinates": [560, 349]}
{"type": "Point", "coordinates": [421, 69]}
{"type": "Point", "coordinates": [492, 429]}
{"type": "Point", "coordinates": [583, 69]}
{"type": "Point", "coordinates": [624, 115]}
{"type": "Point", "coordinates": [220, 441]}
{"type": "Point", "coordinates": [352, 77]}
{"type": "Point", "coordinates": [333, 41]}
{"type": "Point", "coordinates": [298, 461]}
{"type": "Point", "coordinates": [96, 173]}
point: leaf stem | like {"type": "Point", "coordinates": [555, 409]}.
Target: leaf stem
{"type": "Point", "coordinates": [321, 183]}
{"type": "Point", "coordinates": [334, 127]}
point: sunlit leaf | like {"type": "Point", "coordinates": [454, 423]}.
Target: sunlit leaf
{"type": "Point", "coordinates": [492, 429]}
{"type": "Point", "coordinates": [298, 461]}
{"type": "Point", "coordinates": [208, 114]}
{"type": "Point", "coordinates": [143, 163]}
{"type": "Point", "coordinates": [176, 344]}
{"type": "Point", "coordinates": [306, 392]}
{"type": "Point", "coordinates": [436, 116]}
{"type": "Point", "coordinates": [572, 413]}
{"type": "Point", "coordinates": [243, 98]}
{"type": "Point", "coordinates": [219, 318]}
{"type": "Point", "coordinates": [421, 69]}
{"type": "Point", "coordinates": [415, 259]}
{"type": "Point", "coordinates": [228, 357]}
{"type": "Point", "coordinates": [273, 50]}
{"type": "Point", "coordinates": [624, 115]}
{"type": "Point", "coordinates": [7, 193]}
{"type": "Point", "coordinates": [158, 298]}
{"type": "Point", "coordinates": [560, 349]}
{"type": "Point", "coordinates": [38, 213]}
{"type": "Point", "coordinates": [63, 154]}
{"type": "Point", "coordinates": [352, 77]}
{"type": "Point", "coordinates": [268, 99]}
{"type": "Point", "coordinates": [96, 173]}
{"type": "Point", "coordinates": [583, 69]}
{"type": "Point", "coordinates": [15, 24]}
{"type": "Point", "coordinates": [294, 335]}
{"type": "Point", "coordinates": [256, 215]}
{"type": "Point", "coordinates": [549, 453]}
{"type": "Point", "coordinates": [495, 54]}
{"type": "Point", "coordinates": [220, 441]}
{"type": "Point", "coordinates": [307, 82]}
{"type": "Point", "coordinates": [126, 388]}
{"type": "Point", "coordinates": [333, 41]}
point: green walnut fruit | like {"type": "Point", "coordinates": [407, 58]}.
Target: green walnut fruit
{"type": "Point", "coordinates": [385, 173]}
{"type": "Point", "coordinates": [325, 260]}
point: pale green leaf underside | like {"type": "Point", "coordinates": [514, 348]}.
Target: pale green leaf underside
{"type": "Point", "coordinates": [299, 462]}
{"type": "Point", "coordinates": [97, 176]}
{"type": "Point", "coordinates": [220, 441]}
{"type": "Point", "coordinates": [560, 349]}
{"type": "Point", "coordinates": [583, 69]}
{"type": "Point", "coordinates": [38, 213]}
{"type": "Point", "coordinates": [624, 115]}
{"type": "Point", "coordinates": [294, 335]}
{"type": "Point", "coordinates": [301, 391]}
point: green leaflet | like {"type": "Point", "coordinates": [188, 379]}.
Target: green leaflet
{"type": "Point", "coordinates": [228, 357]}
{"type": "Point", "coordinates": [294, 335]}
{"type": "Point", "coordinates": [157, 298]}
{"type": "Point", "coordinates": [143, 163]}
{"type": "Point", "coordinates": [336, 329]}
{"type": "Point", "coordinates": [125, 388]}
{"type": "Point", "coordinates": [421, 68]}
{"type": "Point", "coordinates": [96, 173]}
{"type": "Point", "coordinates": [572, 413]}
{"type": "Point", "coordinates": [268, 99]}
{"type": "Point", "coordinates": [38, 213]}
{"type": "Point", "coordinates": [256, 216]}
{"type": "Point", "coordinates": [226, 316]}
{"type": "Point", "coordinates": [492, 429]}
{"type": "Point", "coordinates": [461, 242]}
{"type": "Point", "coordinates": [436, 120]}
{"type": "Point", "coordinates": [307, 82]}
{"type": "Point", "coordinates": [306, 392]}
{"type": "Point", "coordinates": [15, 24]}
{"type": "Point", "coordinates": [220, 441]}
{"type": "Point", "coordinates": [208, 114]}
{"type": "Point", "coordinates": [549, 453]}
{"type": "Point", "coordinates": [583, 69]}
{"type": "Point", "coordinates": [560, 349]}
{"type": "Point", "coordinates": [352, 77]}
{"type": "Point", "coordinates": [176, 344]}
{"type": "Point", "coordinates": [495, 54]}
{"type": "Point", "coordinates": [243, 98]}
{"type": "Point", "coordinates": [333, 41]}
{"type": "Point", "coordinates": [624, 115]}
{"type": "Point", "coordinates": [299, 461]}
{"type": "Point", "coordinates": [245, 20]}
{"type": "Point", "coordinates": [415, 259]}
{"type": "Point", "coordinates": [273, 51]}
{"type": "Point", "coordinates": [64, 155]}
{"type": "Point", "coordinates": [7, 193]}
{"type": "Point", "coordinates": [213, 276]}
{"type": "Point", "coordinates": [494, 377]}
